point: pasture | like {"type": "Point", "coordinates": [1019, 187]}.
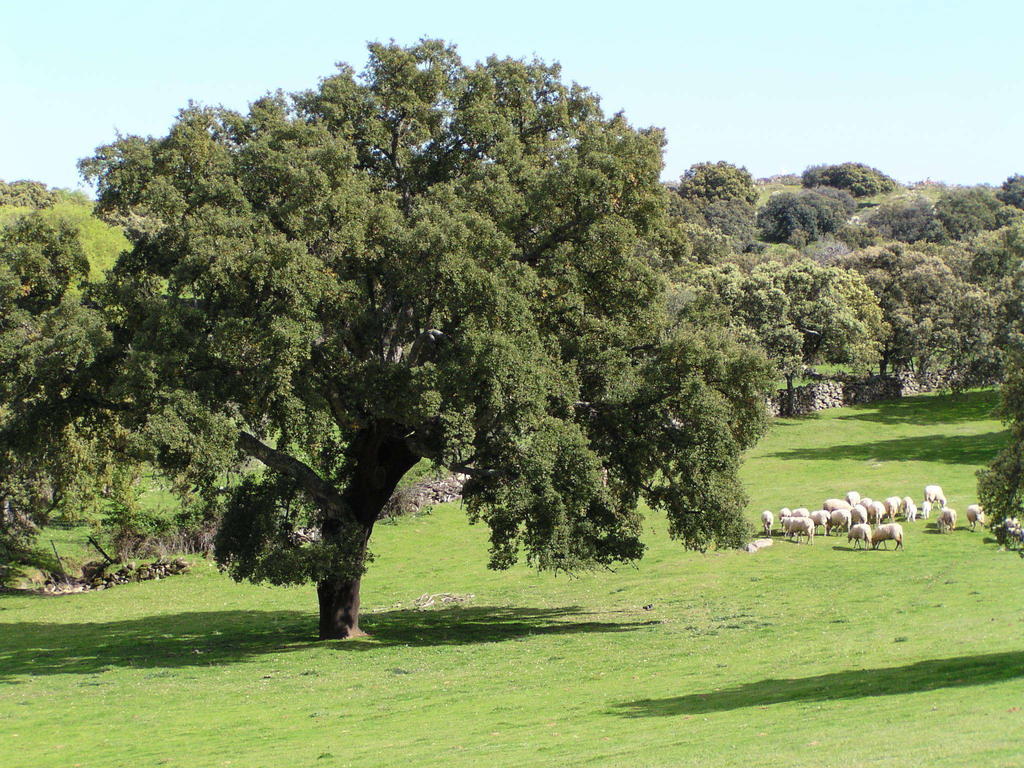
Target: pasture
{"type": "Point", "coordinates": [797, 655]}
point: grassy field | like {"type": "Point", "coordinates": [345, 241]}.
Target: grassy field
{"type": "Point", "coordinates": [797, 656]}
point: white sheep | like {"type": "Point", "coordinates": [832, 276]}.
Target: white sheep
{"type": "Point", "coordinates": [926, 510]}
{"type": "Point", "coordinates": [946, 520]}
{"type": "Point", "coordinates": [767, 520]}
{"type": "Point", "coordinates": [866, 502]}
{"type": "Point", "coordinates": [785, 512]}
{"type": "Point", "coordinates": [861, 532]}
{"type": "Point", "coordinates": [975, 515]}
{"type": "Point", "coordinates": [831, 505]}
{"type": "Point", "coordinates": [821, 517]}
{"type": "Point", "coordinates": [840, 519]}
{"type": "Point", "coordinates": [909, 508]}
{"type": "Point", "coordinates": [890, 531]}
{"type": "Point", "coordinates": [852, 498]}
{"type": "Point", "coordinates": [934, 494]}
{"type": "Point", "coordinates": [859, 514]}
{"type": "Point", "coordinates": [892, 506]}
{"type": "Point", "coordinates": [876, 512]}
{"type": "Point", "coordinates": [800, 512]}
{"type": "Point", "coordinates": [797, 526]}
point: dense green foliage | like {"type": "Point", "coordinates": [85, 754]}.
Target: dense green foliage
{"type": "Point", "coordinates": [907, 219]}
{"type": "Point", "coordinates": [799, 217]}
{"type": "Point", "coordinates": [428, 260]}
{"type": "Point", "coordinates": [801, 313]}
{"type": "Point", "coordinates": [858, 179]}
{"type": "Point", "coordinates": [707, 183]}
{"type": "Point", "coordinates": [968, 211]}
{"type": "Point", "coordinates": [1011, 191]}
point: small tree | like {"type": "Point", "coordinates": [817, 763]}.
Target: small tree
{"type": "Point", "coordinates": [706, 183]}
{"type": "Point", "coordinates": [963, 213]}
{"type": "Point", "coordinates": [858, 179]}
{"type": "Point", "coordinates": [1011, 191]}
{"type": "Point", "coordinates": [905, 219]}
{"type": "Point", "coordinates": [801, 217]}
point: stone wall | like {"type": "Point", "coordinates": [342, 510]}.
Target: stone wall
{"type": "Point", "coordinates": [840, 390]}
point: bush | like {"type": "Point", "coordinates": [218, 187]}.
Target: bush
{"type": "Point", "coordinates": [801, 217]}
{"type": "Point", "coordinates": [858, 179]}
{"type": "Point", "coordinates": [906, 219]}
{"type": "Point", "coordinates": [966, 212]}
{"type": "Point", "coordinates": [709, 182]}
{"type": "Point", "coordinates": [1011, 192]}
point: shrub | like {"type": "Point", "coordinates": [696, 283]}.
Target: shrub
{"type": "Point", "coordinates": [906, 219]}
{"type": "Point", "coordinates": [708, 182]}
{"type": "Point", "coordinates": [800, 217]}
{"type": "Point", "coordinates": [858, 179]}
{"type": "Point", "coordinates": [1011, 192]}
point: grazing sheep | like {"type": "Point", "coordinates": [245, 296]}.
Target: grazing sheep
{"type": "Point", "coordinates": [859, 514]}
{"type": "Point", "coordinates": [934, 494]}
{"type": "Point", "coordinates": [840, 519]}
{"type": "Point", "coordinates": [852, 498]}
{"type": "Point", "coordinates": [800, 512]}
{"type": "Point", "coordinates": [785, 512]}
{"type": "Point", "coordinates": [890, 531]}
{"type": "Point", "coordinates": [975, 515]}
{"type": "Point", "coordinates": [909, 508]}
{"type": "Point", "coordinates": [866, 502]}
{"type": "Point", "coordinates": [797, 526]}
{"type": "Point", "coordinates": [767, 519]}
{"type": "Point", "coordinates": [861, 532]}
{"type": "Point", "coordinates": [831, 505]}
{"type": "Point", "coordinates": [926, 510]}
{"type": "Point", "coordinates": [821, 517]}
{"type": "Point", "coordinates": [876, 512]}
{"type": "Point", "coordinates": [892, 506]}
{"type": "Point", "coordinates": [947, 520]}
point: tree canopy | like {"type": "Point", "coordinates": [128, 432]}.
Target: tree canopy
{"type": "Point", "coordinates": [424, 260]}
{"type": "Point", "coordinates": [858, 179]}
{"type": "Point", "coordinates": [706, 183]}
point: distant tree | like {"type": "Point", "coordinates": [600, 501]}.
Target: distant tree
{"type": "Point", "coordinates": [906, 219]}
{"type": "Point", "coordinates": [27, 194]}
{"type": "Point", "coordinates": [734, 218]}
{"type": "Point", "coordinates": [800, 217]}
{"type": "Point", "coordinates": [426, 261]}
{"type": "Point", "coordinates": [858, 179]}
{"type": "Point", "coordinates": [1011, 191]}
{"type": "Point", "coordinates": [968, 211]}
{"type": "Point", "coordinates": [707, 183]}
{"type": "Point", "coordinates": [801, 313]}
{"type": "Point", "coordinates": [921, 299]}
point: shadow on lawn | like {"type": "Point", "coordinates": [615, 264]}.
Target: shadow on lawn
{"type": "Point", "coordinates": [976, 405]}
{"type": "Point", "coordinates": [958, 449]}
{"type": "Point", "coordinates": [204, 639]}
{"type": "Point", "coordinates": [923, 676]}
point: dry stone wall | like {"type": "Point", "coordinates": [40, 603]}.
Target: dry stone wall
{"type": "Point", "coordinates": [840, 390]}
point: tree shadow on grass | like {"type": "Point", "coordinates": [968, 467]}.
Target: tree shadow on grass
{"type": "Point", "coordinates": [975, 405]}
{"type": "Point", "coordinates": [958, 449]}
{"type": "Point", "coordinates": [215, 638]}
{"type": "Point", "coordinates": [920, 677]}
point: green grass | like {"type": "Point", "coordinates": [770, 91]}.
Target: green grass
{"type": "Point", "coordinates": [797, 656]}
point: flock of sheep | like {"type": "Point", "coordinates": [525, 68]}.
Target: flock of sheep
{"type": "Point", "coordinates": [856, 514]}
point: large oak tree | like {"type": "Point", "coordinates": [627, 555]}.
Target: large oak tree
{"type": "Point", "coordinates": [425, 260]}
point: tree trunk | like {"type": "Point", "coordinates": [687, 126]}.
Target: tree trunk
{"type": "Point", "coordinates": [339, 609]}
{"type": "Point", "coordinates": [790, 395]}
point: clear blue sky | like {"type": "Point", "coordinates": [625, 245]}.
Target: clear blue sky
{"type": "Point", "coordinates": [918, 89]}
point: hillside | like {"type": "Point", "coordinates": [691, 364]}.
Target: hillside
{"type": "Point", "coordinates": [816, 655]}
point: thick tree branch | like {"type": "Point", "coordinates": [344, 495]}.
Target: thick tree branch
{"type": "Point", "coordinates": [325, 494]}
